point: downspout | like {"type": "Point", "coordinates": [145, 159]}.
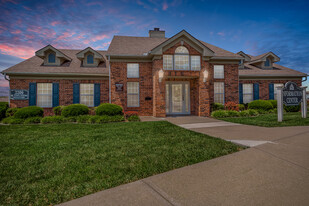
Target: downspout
{"type": "Point", "coordinates": [5, 77]}
{"type": "Point", "coordinates": [109, 80]}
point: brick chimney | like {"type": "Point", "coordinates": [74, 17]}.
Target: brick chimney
{"type": "Point", "coordinates": [156, 33]}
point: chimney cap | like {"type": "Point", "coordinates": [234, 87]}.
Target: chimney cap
{"type": "Point", "coordinates": [156, 29]}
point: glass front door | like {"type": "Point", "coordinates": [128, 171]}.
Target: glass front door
{"type": "Point", "coordinates": [177, 98]}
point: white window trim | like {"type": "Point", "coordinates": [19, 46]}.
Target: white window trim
{"type": "Point", "coordinates": [51, 94]}
{"type": "Point", "coordinates": [128, 70]}
{"type": "Point", "coordinates": [215, 72]}
{"type": "Point", "coordinates": [83, 95]}
{"type": "Point", "coordinates": [220, 93]}
{"type": "Point", "coordinates": [138, 95]}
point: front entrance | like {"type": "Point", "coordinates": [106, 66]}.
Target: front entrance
{"type": "Point", "coordinates": [177, 98]}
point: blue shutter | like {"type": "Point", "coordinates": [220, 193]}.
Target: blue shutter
{"type": "Point", "coordinates": [271, 91]}
{"type": "Point", "coordinates": [96, 95]}
{"type": "Point", "coordinates": [55, 94]}
{"type": "Point", "coordinates": [76, 93]}
{"type": "Point", "coordinates": [256, 91]}
{"type": "Point", "coordinates": [240, 94]}
{"type": "Point", "coordinates": [32, 94]}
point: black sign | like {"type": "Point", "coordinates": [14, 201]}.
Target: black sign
{"type": "Point", "coordinates": [19, 94]}
{"type": "Point", "coordinates": [292, 94]}
{"type": "Point", "coordinates": [119, 87]}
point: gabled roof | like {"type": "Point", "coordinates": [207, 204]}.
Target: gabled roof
{"type": "Point", "coordinates": [41, 53]}
{"type": "Point", "coordinates": [263, 57]}
{"type": "Point", "coordinates": [34, 66]}
{"type": "Point", "coordinates": [205, 50]}
{"type": "Point", "coordinates": [82, 53]}
{"type": "Point", "coordinates": [247, 57]}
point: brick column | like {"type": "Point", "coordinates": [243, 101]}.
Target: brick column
{"type": "Point", "coordinates": [203, 91]}
{"type": "Point", "coordinates": [158, 90]}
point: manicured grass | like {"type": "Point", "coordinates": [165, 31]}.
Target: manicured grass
{"type": "Point", "coordinates": [50, 164]}
{"type": "Point", "coordinates": [271, 120]}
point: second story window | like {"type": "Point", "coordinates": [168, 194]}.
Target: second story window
{"type": "Point", "coordinates": [181, 58]}
{"type": "Point", "coordinates": [267, 63]}
{"type": "Point", "coordinates": [132, 70]}
{"type": "Point", "coordinates": [168, 62]}
{"type": "Point", "coordinates": [51, 58]}
{"type": "Point", "coordinates": [219, 71]}
{"type": "Point", "coordinates": [195, 63]}
{"type": "Point", "coordinates": [90, 59]}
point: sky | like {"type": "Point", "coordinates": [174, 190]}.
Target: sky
{"type": "Point", "coordinates": [254, 27]}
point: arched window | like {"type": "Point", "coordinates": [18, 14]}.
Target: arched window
{"type": "Point", "coordinates": [181, 58]}
{"type": "Point", "coordinates": [267, 62]}
{"type": "Point", "coordinates": [51, 58]}
{"type": "Point", "coordinates": [89, 59]}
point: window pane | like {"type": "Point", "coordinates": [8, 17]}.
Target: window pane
{"type": "Point", "coordinates": [182, 62]}
{"type": "Point", "coordinates": [132, 70]}
{"type": "Point", "coordinates": [133, 94]}
{"type": "Point", "coordinates": [181, 50]}
{"type": "Point", "coordinates": [195, 63]}
{"type": "Point", "coordinates": [168, 62]}
{"type": "Point", "coordinates": [219, 92]}
{"type": "Point", "coordinates": [51, 58]}
{"type": "Point", "coordinates": [219, 72]}
{"type": "Point", "coordinates": [90, 59]}
{"type": "Point", "coordinates": [267, 62]}
{"type": "Point", "coordinates": [87, 94]}
{"type": "Point", "coordinates": [247, 93]}
{"type": "Point", "coordinates": [44, 94]}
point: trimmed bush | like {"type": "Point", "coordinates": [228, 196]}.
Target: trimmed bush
{"type": "Point", "coordinates": [241, 107]}
{"type": "Point", "coordinates": [253, 112]}
{"type": "Point", "coordinates": [244, 113]}
{"type": "Point", "coordinates": [219, 114]}
{"type": "Point", "coordinates": [109, 109]}
{"type": "Point", "coordinates": [4, 104]}
{"type": "Point", "coordinates": [217, 106]}
{"type": "Point", "coordinates": [232, 113]}
{"type": "Point", "coordinates": [93, 119]}
{"type": "Point", "coordinates": [74, 110]}
{"type": "Point", "coordinates": [133, 118]}
{"type": "Point", "coordinates": [231, 106]}
{"type": "Point", "coordinates": [33, 120]}
{"type": "Point", "coordinates": [273, 102]}
{"type": "Point", "coordinates": [11, 111]}
{"type": "Point", "coordinates": [260, 105]}
{"type": "Point", "coordinates": [26, 112]}
{"type": "Point", "coordinates": [12, 120]}
{"type": "Point", "coordinates": [3, 107]}
{"type": "Point", "coordinates": [57, 110]}
{"type": "Point", "coordinates": [71, 119]}
{"type": "Point", "coordinates": [52, 120]}
{"type": "Point", "coordinates": [292, 108]}
{"type": "Point", "coordinates": [130, 113]}
{"type": "Point", "coordinates": [83, 118]}
{"type": "Point", "coordinates": [106, 119]}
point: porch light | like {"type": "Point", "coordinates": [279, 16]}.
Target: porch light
{"type": "Point", "coordinates": [161, 75]}
{"type": "Point", "coordinates": [205, 75]}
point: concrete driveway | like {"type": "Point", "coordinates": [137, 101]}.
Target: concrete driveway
{"type": "Point", "coordinates": [275, 173]}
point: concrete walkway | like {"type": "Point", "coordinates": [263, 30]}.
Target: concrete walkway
{"type": "Point", "coordinates": [275, 173]}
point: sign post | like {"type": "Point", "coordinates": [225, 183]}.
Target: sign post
{"type": "Point", "coordinates": [304, 104]}
{"type": "Point", "coordinates": [280, 103]}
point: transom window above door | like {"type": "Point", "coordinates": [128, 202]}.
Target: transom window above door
{"type": "Point", "coordinates": [181, 60]}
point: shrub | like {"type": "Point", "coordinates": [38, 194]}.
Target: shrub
{"type": "Point", "coordinates": [106, 119]}
{"type": "Point", "coordinates": [219, 114]}
{"type": "Point", "coordinates": [133, 118]}
{"type": "Point", "coordinates": [57, 110]}
{"type": "Point", "coordinates": [52, 120]}
{"type": "Point", "coordinates": [217, 106]}
{"type": "Point", "coordinates": [3, 107]}
{"type": "Point", "coordinates": [241, 107]}
{"type": "Point", "coordinates": [231, 106]}
{"type": "Point", "coordinates": [93, 119]}
{"type": "Point", "coordinates": [83, 118]}
{"type": "Point", "coordinates": [130, 113]}
{"type": "Point", "coordinates": [273, 102]}
{"type": "Point", "coordinates": [109, 109]}
{"type": "Point", "coordinates": [71, 119]}
{"type": "Point", "coordinates": [260, 105]}
{"type": "Point", "coordinates": [12, 120]}
{"type": "Point", "coordinates": [273, 111]}
{"type": "Point", "coordinates": [232, 113]}
{"type": "Point", "coordinates": [26, 112]}
{"type": "Point", "coordinates": [262, 111]}
{"type": "Point", "coordinates": [244, 113]}
{"type": "Point", "coordinates": [252, 112]}
{"type": "Point", "coordinates": [11, 111]}
{"type": "Point", "coordinates": [74, 110]}
{"type": "Point", "coordinates": [292, 108]}
{"type": "Point", "coordinates": [33, 120]}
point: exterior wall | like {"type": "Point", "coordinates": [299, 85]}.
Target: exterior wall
{"type": "Point", "coordinates": [119, 76]}
{"type": "Point", "coordinates": [65, 90]}
{"type": "Point", "coordinates": [263, 85]}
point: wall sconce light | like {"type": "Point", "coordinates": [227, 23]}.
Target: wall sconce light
{"type": "Point", "coordinates": [205, 75]}
{"type": "Point", "coordinates": [161, 75]}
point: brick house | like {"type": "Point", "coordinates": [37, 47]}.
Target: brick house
{"type": "Point", "coordinates": [155, 76]}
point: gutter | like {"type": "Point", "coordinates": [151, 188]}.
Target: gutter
{"type": "Point", "coordinates": [55, 74]}
{"type": "Point", "coordinates": [109, 80]}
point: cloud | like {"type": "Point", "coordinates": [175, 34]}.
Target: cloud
{"type": "Point", "coordinates": [23, 52]}
{"type": "Point", "coordinates": [221, 33]}
{"type": "Point", "coordinates": [16, 31]}
{"type": "Point", "coordinates": [164, 6]}
{"type": "Point", "coordinates": [65, 35]}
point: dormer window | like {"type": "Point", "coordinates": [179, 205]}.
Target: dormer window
{"type": "Point", "coordinates": [51, 58]}
{"type": "Point", "coordinates": [267, 62]}
{"type": "Point", "coordinates": [90, 59]}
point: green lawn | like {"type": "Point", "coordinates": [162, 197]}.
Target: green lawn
{"type": "Point", "coordinates": [49, 164]}
{"type": "Point", "coordinates": [271, 120]}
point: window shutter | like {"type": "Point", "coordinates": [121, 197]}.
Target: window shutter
{"type": "Point", "coordinates": [76, 93]}
{"type": "Point", "coordinates": [240, 94]}
{"type": "Point", "coordinates": [32, 94]}
{"type": "Point", "coordinates": [256, 91]}
{"type": "Point", "coordinates": [97, 95]}
{"type": "Point", "coordinates": [55, 94]}
{"type": "Point", "coordinates": [271, 91]}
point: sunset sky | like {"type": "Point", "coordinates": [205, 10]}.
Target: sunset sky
{"type": "Point", "coordinates": [254, 27]}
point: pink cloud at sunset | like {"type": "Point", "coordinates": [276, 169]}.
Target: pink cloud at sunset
{"type": "Point", "coordinates": [23, 52]}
